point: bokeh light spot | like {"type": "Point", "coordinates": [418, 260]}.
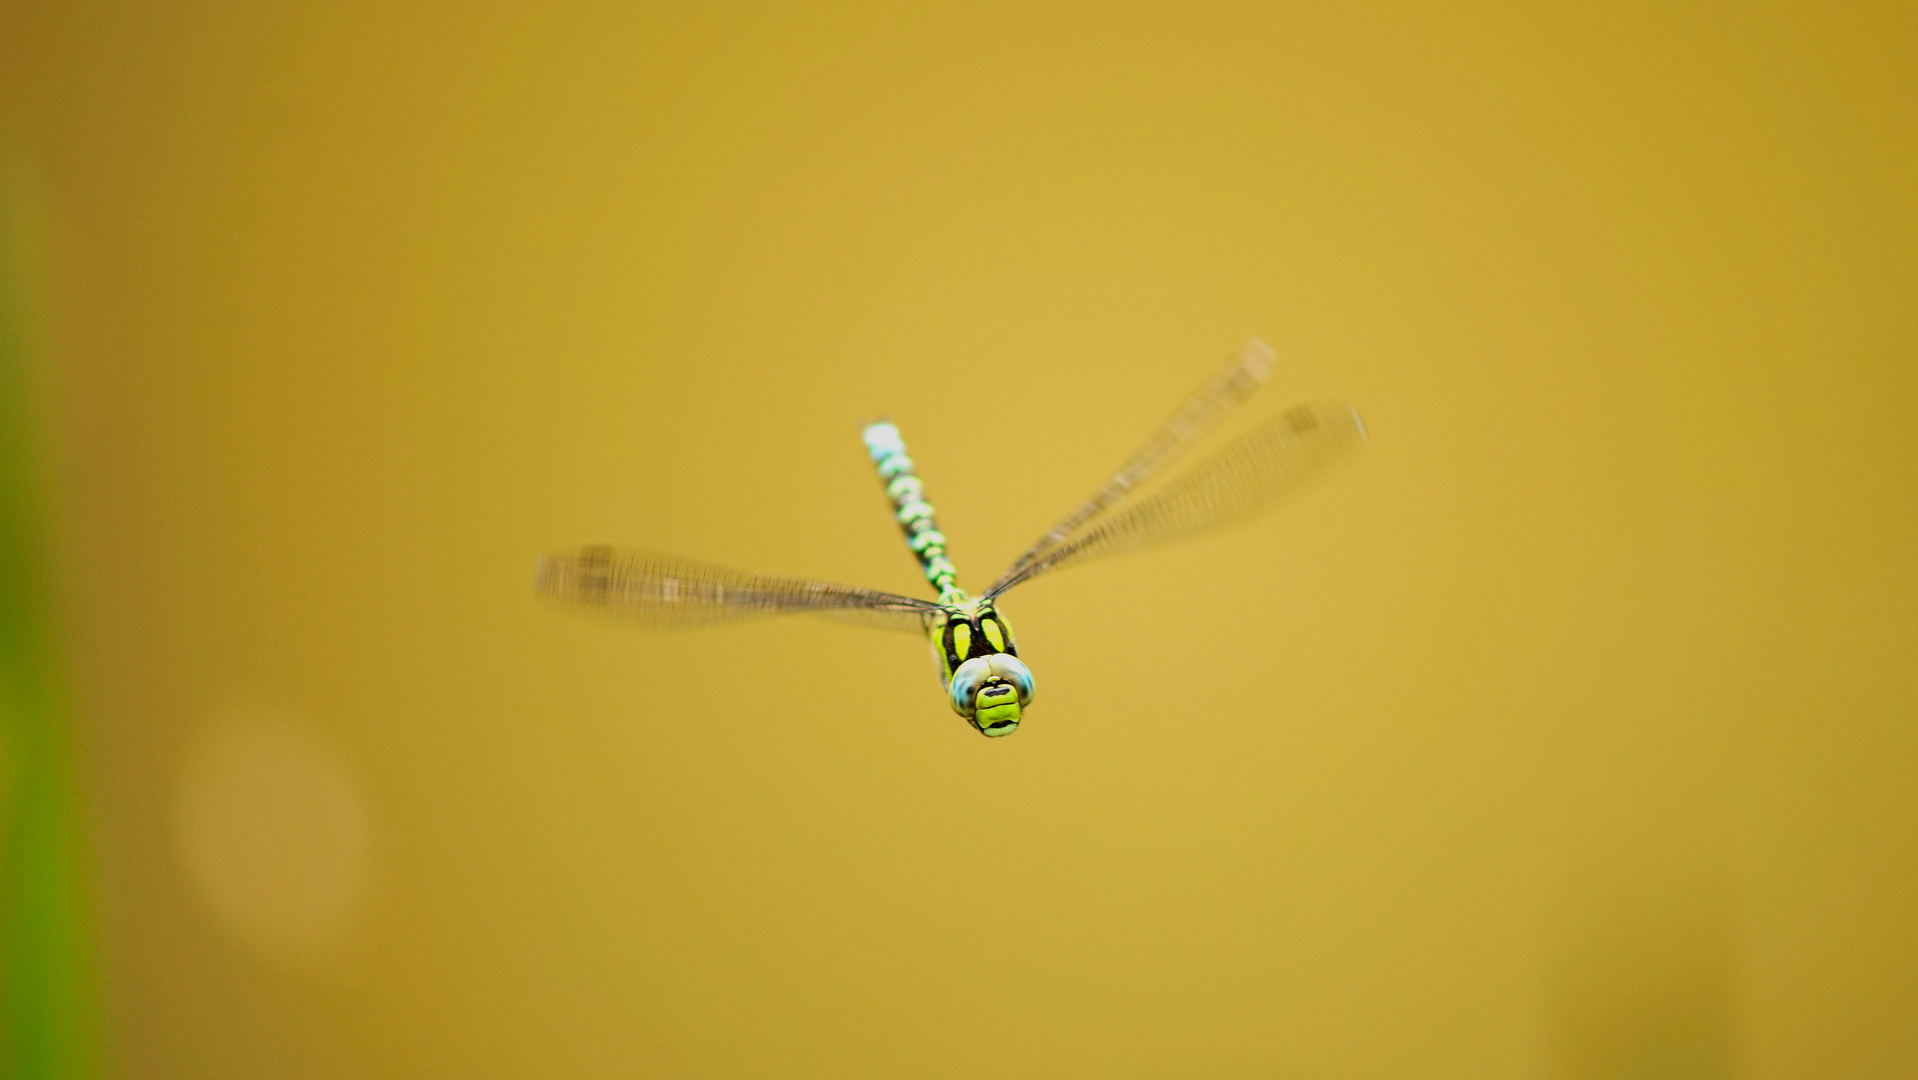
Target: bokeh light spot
{"type": "Point", "coordinates": [273, 833]}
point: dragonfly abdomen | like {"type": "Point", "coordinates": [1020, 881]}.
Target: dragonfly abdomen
{"type": "Point", "coordinates": [915, 515]}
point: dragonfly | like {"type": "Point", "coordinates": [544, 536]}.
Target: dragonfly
{"type": "Point", "coordinates": [986, 683]}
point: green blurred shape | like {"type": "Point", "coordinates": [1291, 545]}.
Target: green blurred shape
{"type": "Point", "coordinates": [50, 1027]}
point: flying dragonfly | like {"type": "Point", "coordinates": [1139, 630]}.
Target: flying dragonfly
{"type": "Point", "coordinates": [985, 681]}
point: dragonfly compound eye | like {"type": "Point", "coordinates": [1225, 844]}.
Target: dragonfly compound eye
{"type": "Point", "coordinates": [987, 673]}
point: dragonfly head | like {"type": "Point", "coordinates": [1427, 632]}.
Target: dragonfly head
{"type": "Point", "coordinates": [991, 692]}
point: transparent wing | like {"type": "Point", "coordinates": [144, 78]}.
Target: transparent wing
{"type": "Point", "coordinates": [663, 592]}
{"type": "Point", "coordinates": [1241, 478]}
{"type": "Point", "coordinates": [1198, 415]}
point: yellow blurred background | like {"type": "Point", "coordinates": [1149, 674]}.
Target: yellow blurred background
{"type": "Point", "coordinates": [1570, 733]}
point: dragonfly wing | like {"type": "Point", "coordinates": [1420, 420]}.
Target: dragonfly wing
{"type": "Point", "coordinates": [664, 592]}
{"type": "Point", "coordinates": [1238, 480]}
{"type": "Point", "coordinates": [1198, 415]}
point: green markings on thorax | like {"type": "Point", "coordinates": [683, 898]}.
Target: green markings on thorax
{"type": "Point", "coordinates": [975, 629]}
{"type": "Point", "coordinates": [913, 512]}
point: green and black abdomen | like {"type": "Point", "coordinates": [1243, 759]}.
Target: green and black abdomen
{"type": "Point", "coordinates": [914, 514]}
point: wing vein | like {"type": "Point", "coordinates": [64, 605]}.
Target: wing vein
{"type": "Point", "coordinates": [666, 592]}
{"type": "Point", "coordinates": [1243, 477]}
{"type": "Point", "coordinates": [1197, 416]}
